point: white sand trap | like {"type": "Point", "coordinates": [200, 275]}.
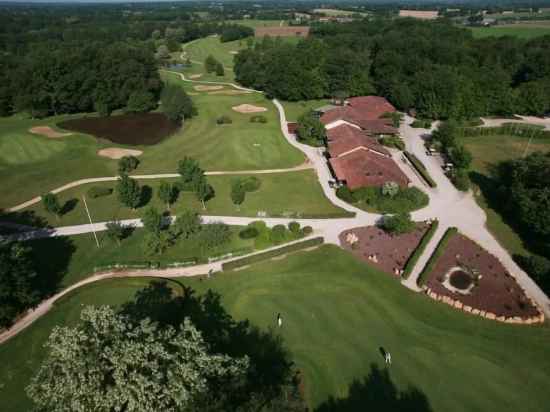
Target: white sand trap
{"type": "Point", "coordinates": [249, 108]}
{"type": "Point", "coordinates": [48, 132]}
{"type": "Point", "coordinates": [195, 76]}
{"type": "Point", "coordinates": [233, 52]}
{"type": "Point", "coordinates": [118, 153]}
{"type": "Point", "coordinates": [203, 88]}
{"type": "Point", "coordinates": [229, 92]}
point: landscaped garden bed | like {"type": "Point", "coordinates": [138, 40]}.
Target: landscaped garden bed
{"type": "Point", "coordinates": [386, 251]}
{"type": "Point", "coordinates": [467, 277]}
{"type": "Point", "coordinates": [130, 129]}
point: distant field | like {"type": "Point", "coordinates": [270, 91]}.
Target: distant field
{"type": "Point", "coordinates": [200, 49]}
{"type": "Point", "coordinates": [259, 23]}
{"type": "Point", "coordinates": [336, 12]}
{"type": "Point", "coordinates": [517, 30]}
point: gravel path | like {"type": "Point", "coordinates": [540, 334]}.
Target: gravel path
{"type": "Point", "coordinates": [489, 122]}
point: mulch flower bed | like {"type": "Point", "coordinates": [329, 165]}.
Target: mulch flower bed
{"type": "Point", "coordinates": [381, 249]}
{"type": "Point", "coordinates": [496, 291]}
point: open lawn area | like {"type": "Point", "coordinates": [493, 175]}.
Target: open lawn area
{"type": "Point", "coordinates": [31, 164]}
{"type": "Point", "coordinates": [199, 50]}
{"type": "Point", "coordinates": [294, 110]}
{"type": "Point", "coordinates": [487, 152]}
{"type": "Point", "coordinates": [516, 30]}
{"type": "Point", "coordinates": [290, 194]}
{"type": "Point", "coordinates": [259, 23]}
{"type": "Point", "coordinates": [338, 312]}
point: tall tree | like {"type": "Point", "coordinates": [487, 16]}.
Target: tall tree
{"type": "Point", "coordinates": [176, 103]}
{"type": "Point", "coordinates": [152, 220]}
{"type": "Point", "coordinates": [167, 194]}
{"type": "Point", "coordinates": [128, 191]}
{"type": "Point", "coordinates": [109, 362]}
{"type": "Point", "coordinates": [204, 192]}
{"type": "Point", "coordinates": [52, 205]}
{"type": "Point", "coordinates": [115, 231]}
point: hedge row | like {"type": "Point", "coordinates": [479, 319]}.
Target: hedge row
{"type": "Point", "coordinates": [411, 263]}
{"type": "Point", "coordinates": [234, 264]}
{"type": "Point", "coordinates": [329, 215]}
{"type": "Point", "coordinates": [145, 265]}
{"type": "Point", "coordinates": [436, 255]}
{"type": "Point", "coordinates": [420, 168]}
{"type": "Point", "coordinates": [512, 129]}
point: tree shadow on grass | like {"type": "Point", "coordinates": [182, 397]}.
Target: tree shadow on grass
{"type": "Point", "coordinates": [69, 206]}
{"type": "Point", "coordinates": [27, 218]}
{"type": "Point", "coordinates": [377, 392]}
{"type": "Point", "coordinates": [271, 369]}
{"type": "Point", "coordinates": [146, 195]}
{"type": "Point", "coordinates": [51, 258]}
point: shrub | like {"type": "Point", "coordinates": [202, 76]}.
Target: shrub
{"type": "Point", "coordinates": [420, 168]}
{"type": "Point", "coordinates": [224, 120]}
{"type": "Point", "coordinates": [390, 189]}
{"type": "Point", "coordinates": [251, 183]}
{"type": "Point", "coordinates": [249, 233]}
{"type": "Point", "coordinates": [97, 191]}
{"type": "Point", "coordinates": [406, 200]}
{"type": "Point", "coordinates": [460, 179]}
{"type": "Point", "coordinates": [345, 194]}
{"type": "Point", "coordinates": [438, 252]}
{"type": "Point", "coordinates": [234, 264]}
{"type": "Point", "coordinates": [393, 141]}
{"type": "Point", "coordinates": [258, 118]}
{"type": "Point", "coordinates": [278, 234]}
{"type": "Point", "coordinates": [398, 224]}
{"type": "Point", "coordinates": [294, 227]}
{"type": "Point", "coordinates": [421, 123]}
{"type": "Point", "coordinates": [411, 262]}
{"type": "Point", "coordinates": [127, 164]}
{"type": "Point", "coordinates": [307, 230]}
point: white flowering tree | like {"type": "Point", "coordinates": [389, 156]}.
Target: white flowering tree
{"type": "Point", "coordinates": [111, 363]}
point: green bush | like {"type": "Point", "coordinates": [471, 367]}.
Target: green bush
{"type": "Point", "coordinates": [224, 120]}
{"type": "Point", "coordinates": [406, 200]}
{"type": "Point", "coordinates": [251, 183]}
{"type": "Point", "coordinates": [393, 141]}
{"type": "Point", "coordinates": [423, 278]}
{"type": "Point", "coordinates": [345, 194]}
{"type": "Point", "coordinates": [272, 253]}
{"type": "Point", "coordinates": [278, 234]}
{"type": "Point", "coordinates": [420, 168]}
{"type": "Point", "coordinates": [398, 224]}
{"type": "Point", "coordinates": [421, 123]}
{"type": "Point", "coordinates": [460, 180]}
{"type": "Point", "coordinates": [97, 191]}
{"type": "Point", "coordinates": [294, 227]}
{"type": "Point", "coordinates": [258, 119]}
{"type": "Point", "coordinates": [411, 262]}
{"type": "Point", "coordinates": [307, 230]}
{"type": "Point", "coordinates": [249, 233]}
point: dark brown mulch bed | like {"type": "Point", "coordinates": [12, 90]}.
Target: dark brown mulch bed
{"type": "Point", "coordinates": [128, 129]}
{"type": "Point", "coordinates": [497, 291]}
{"type": "Point", "coordinates": [392, 251]}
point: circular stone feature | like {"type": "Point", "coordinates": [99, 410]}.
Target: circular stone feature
{"type": "Point", "coordinates": [460, 280]}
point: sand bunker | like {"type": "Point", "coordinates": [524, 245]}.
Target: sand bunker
{"type": "Point", "coordinates": [203, 88]}
{"type": "Point", "coordinates": [249, 108]}
{"type": "Point", "coordinates": [117, 153]}
{"type": "Point", "coordinates": [233, 52]}
{"type": "Point", "coordinates": [229, 92]}
{"type": "Point", "coordinates": [48, 132]}
{"type": "Point", "coordinates": [195, 76]}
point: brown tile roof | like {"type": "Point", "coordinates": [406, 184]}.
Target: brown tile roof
{"type": "Point", "coordinates": [282, 31]}
{"type": "Point", "coordinates": [291, 127]}
{"type": "Point", "coordinates": [344, 138]}
{"type": "Point", "coordinates": [372, 106]}
{"type": "Point", "coordinates": [365, 112]}
{"type": "Point", "coordinates": [363, 168]}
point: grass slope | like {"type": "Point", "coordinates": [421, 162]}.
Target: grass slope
{"type": "Point", "coordinates": [524, 32]}
{"type": "Point", "coordinates": [281, 194]}
{"type": "Point", "coordinates": [487, 152]}
{"type": "Point", "coordinates": [200, 49]}
{"type": "Point", "coordinates": [337, 313]}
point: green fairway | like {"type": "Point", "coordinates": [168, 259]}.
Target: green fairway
{"type": "Point", "coordinates": [292, 194]}
{"type": "Point", "coordinates": [31, 165]}
{"type": "Point", "coordinates": [487, 152]}
{"type": "Point", "coordinates": [516, 30]}
{"type": "Point", "coordinates": [199, 50]}
{"type": "Point", "coordinates": [337, 313]}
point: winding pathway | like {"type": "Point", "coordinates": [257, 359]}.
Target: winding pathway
{"type": "Point", "coordinates": [450, 206]}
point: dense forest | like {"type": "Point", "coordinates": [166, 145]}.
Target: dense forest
{"type": "Point", "coordinates": [434, 67]}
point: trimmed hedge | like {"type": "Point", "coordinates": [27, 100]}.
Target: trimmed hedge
{"type": "Point", "coordinates": [436, 255]}
{"type": "Point", "coordinates": [234, 264]}
{"type": "Point", "coordinates": [420, 168]}
{"type": "Point", "coordinates": [411, 263]}
{"type": "Point", "coordinates": [511, 129]}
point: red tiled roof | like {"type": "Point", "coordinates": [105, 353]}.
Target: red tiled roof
{"type": "Point", "coordinates": [361, 115]}
{"type": "Point", "coordinates": [343, 138]}
{"type": "Point", "coordinates": [373, 106]}
{"type": "Point", "coordinates": [363, 168]}
{"type": "Point", "coordinates": [282, 31]}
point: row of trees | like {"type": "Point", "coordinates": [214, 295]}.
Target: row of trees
{"type": "Point", "coordinates": [434, 67]}
{"type": "Point", "coordinates": [212, 65]}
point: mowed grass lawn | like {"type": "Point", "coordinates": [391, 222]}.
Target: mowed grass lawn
{"type": "Point", "coordinates": [293, 110]}
{"type": "Point", "coordinates": [337, 312]}
{"type": "Point", "coordinates": [31, 165]}
{"type": "Point", "coordinates": [488, 152]}
{"type": "Point", "coordinates": [516, 30]}
{"type": "Point", "coordinates": [200, 49]}
{"type": "Point", "coordinates": [292, 194]}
